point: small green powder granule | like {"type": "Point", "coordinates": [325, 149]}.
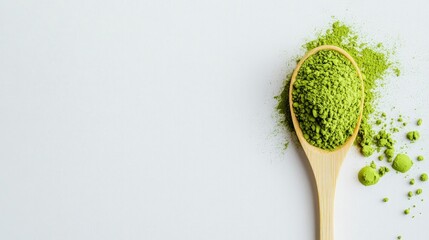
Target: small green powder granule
{"type": "Point", "coordinates": [413, 136]}
{"type": "Point", "coordinates": [326, 98]}
{"type": "Point", "coordinates": [373, 62]}
{"type": "Point", "coordinates": [419, 191]}
{"type": "Point", "coordinates": [402, 163]}
{"type": "Point", "coordinates": [419, 122]}
{"type": "Point", "coordinates": [410, 194]}
{"type": "Point", "coordinates": [367, 150]}
{"type": "Point", "coordinates": [397, 71]}
{"type": "Point", "coordinates": [407, 211]}
{"type": "Point", "coordinates": [420, 158]}
{"type": "Point", "coordinates": [390, 152]}
{"type": "Point", "coordinates": [424, 177]}
{"type": "Point", "coordinates": [382, 171]}
{"type": "Point", "coordinates": [385, 199]}
{"type": "Point", "coordinates": [412, 181]}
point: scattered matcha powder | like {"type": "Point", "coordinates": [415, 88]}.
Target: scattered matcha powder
{"type": "Point", "coordinates": [419, 122]}
{"type": "Point", "coordinates": [412, 181]}
{"type": "Point", "coordinates": [419, 191]}
{"type": "Point", "coordinates": [420, 158]}
{"type": "Point", "coordinates": [385, 199]}
{"type": "Point", "coordinates": [410, 194]}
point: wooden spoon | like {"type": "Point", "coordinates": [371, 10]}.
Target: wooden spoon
{"type": "Point", "coordinates": [325, 164]}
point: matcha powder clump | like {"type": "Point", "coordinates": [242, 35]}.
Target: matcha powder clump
{"type": "Point", "coordinates": [368, 176]}
{"type": "Point", "coordinates": [402, 163]}
{"type": "Point", "coordinates": [326, 99]}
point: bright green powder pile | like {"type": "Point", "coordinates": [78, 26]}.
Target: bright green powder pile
{"type": "Point", "coordinates": [326, 99]}
{"type": "Point", "coordinates": [373, 62]}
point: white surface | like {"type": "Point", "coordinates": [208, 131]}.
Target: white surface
{"type": "Point", "coordinates": [154, 120]}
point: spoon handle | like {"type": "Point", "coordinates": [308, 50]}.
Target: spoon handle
{"type": "Point", "coordinates": [325, 173]}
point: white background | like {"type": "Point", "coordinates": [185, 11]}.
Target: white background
{"type": "Point", "coordinates": [155, 120]}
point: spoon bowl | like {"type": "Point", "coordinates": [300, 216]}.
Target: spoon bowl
{"type": "Point", "coordinates": [325, 164]}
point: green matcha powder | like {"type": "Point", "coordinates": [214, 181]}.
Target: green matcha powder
{"type": "Point", "coordinates": [326, 99]}
{"type": "Point", "coordinates": [373, 63]}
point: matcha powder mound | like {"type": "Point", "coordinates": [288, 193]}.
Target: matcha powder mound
{"type": "Point", "coordinates": [373, 63]}
{"type": "Point", "coordinates": [368, 176]}
{"type": "Point", "coordinates": [402, 163]}
{"type": "Point", "coordinates": [326, 99]}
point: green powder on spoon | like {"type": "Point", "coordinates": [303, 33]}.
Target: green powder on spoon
{"type": "Point", "coordinates": [315, 116]}
{"type": "Point", "coordinates": [373, 62]}
{"type": "Point", "coordinates": [326, 99]}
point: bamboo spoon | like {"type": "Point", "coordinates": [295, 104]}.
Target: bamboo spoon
{"type": "Point", "coordinates": [325, 164]}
